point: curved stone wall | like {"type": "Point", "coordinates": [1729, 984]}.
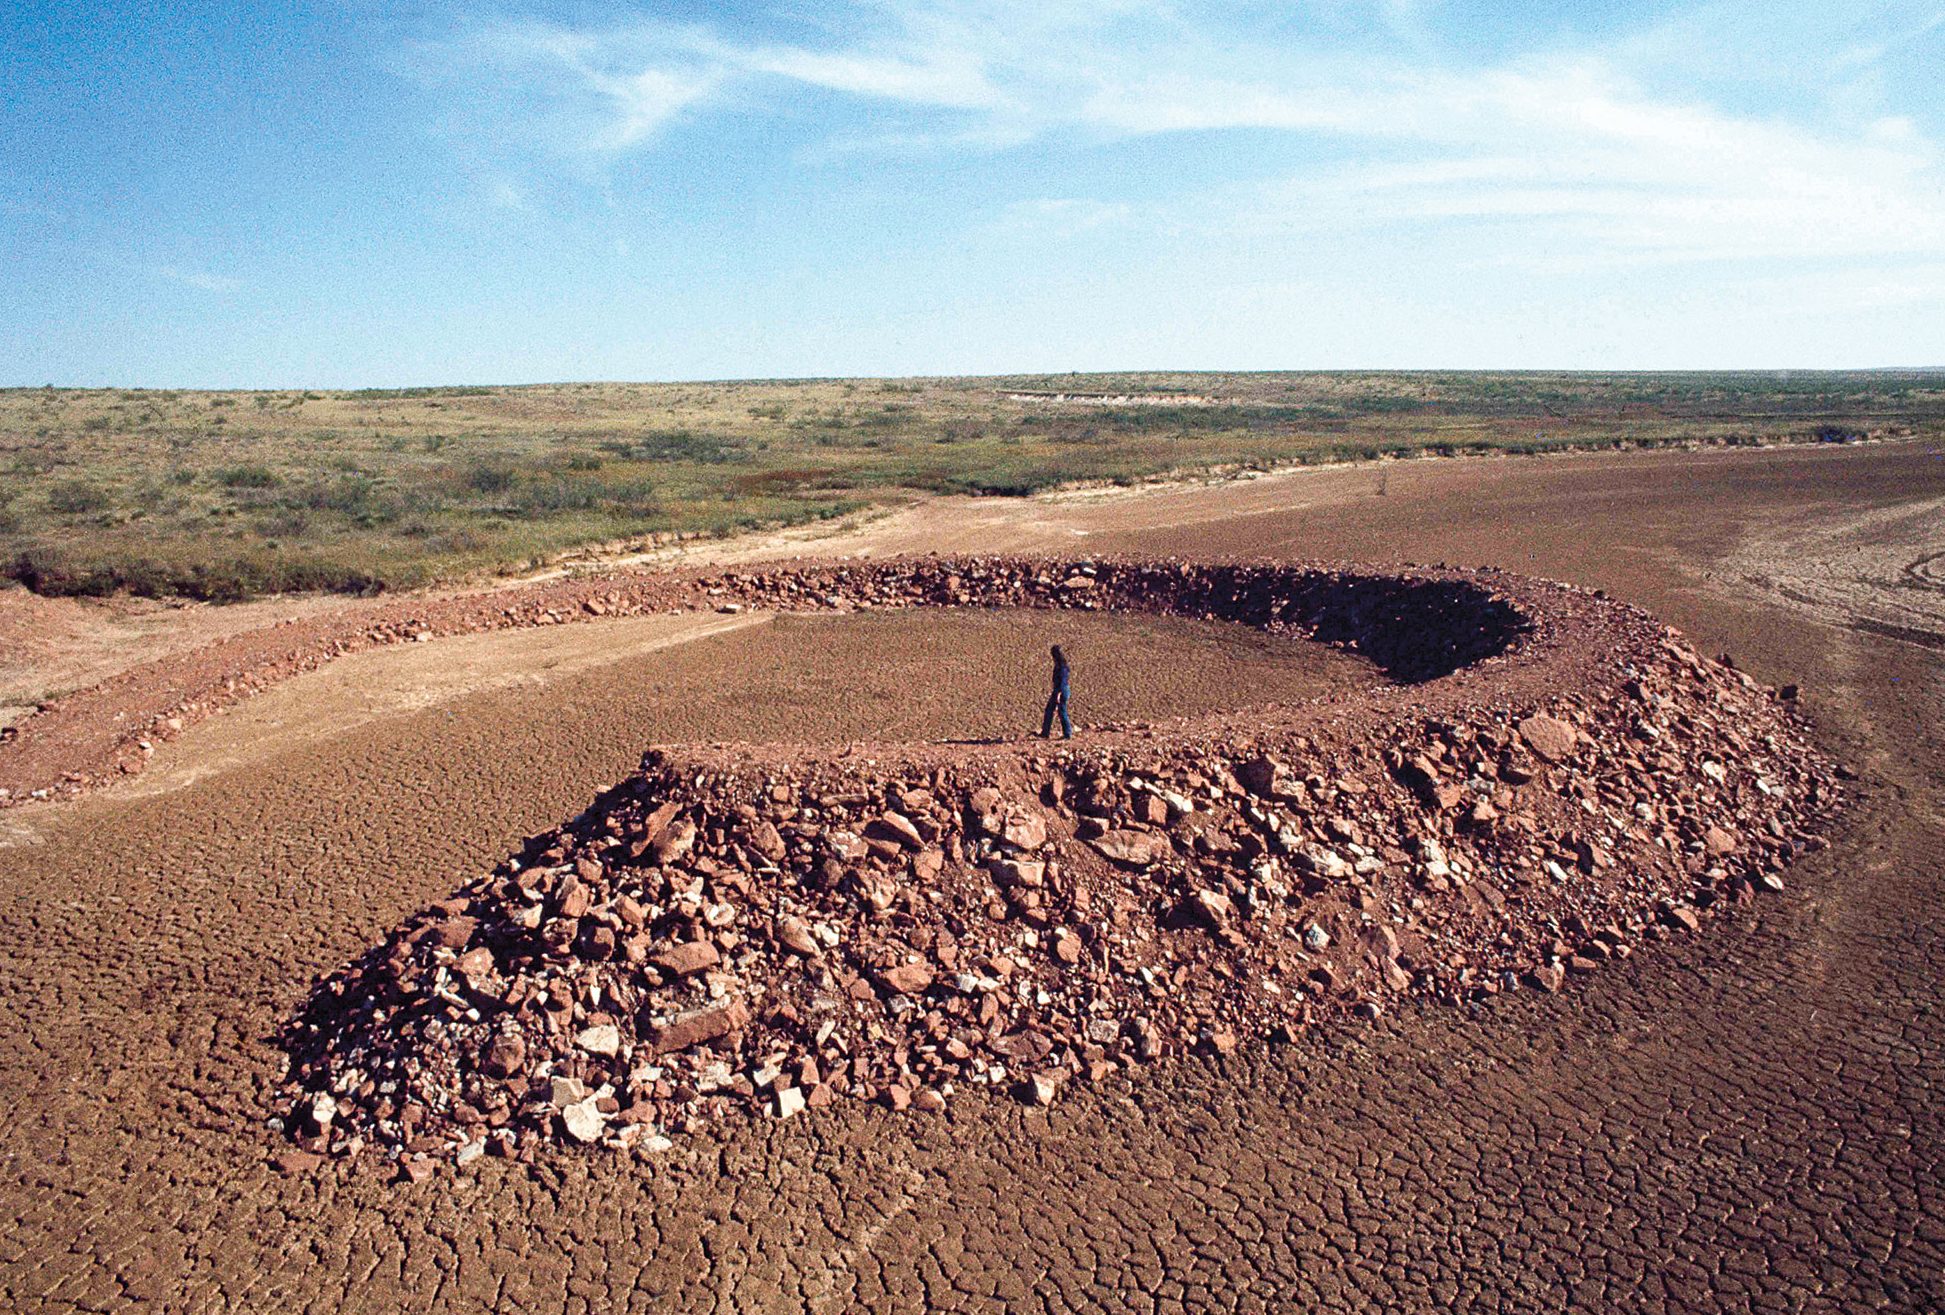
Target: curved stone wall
{"type": "Point", "coordinates": [1552, 778]}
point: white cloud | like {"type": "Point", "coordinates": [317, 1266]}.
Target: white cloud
{"type": "Point", "coordinates": [644, 101]}
{"type": "Point", "coordinates": [1576, 148]}
{"type": "Point", "coordinates": [1584, 146]}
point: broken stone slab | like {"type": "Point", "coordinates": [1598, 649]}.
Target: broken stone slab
{"type": "Point", "coordinates": [1549, 737]}
{"type": "Point", "coordinates": [699, 1025]}
{"type": "Point", "coordinates": [686, 959]}
{"type": "Point", "coordinates": [1133, 848]}
{"type": "Point", "coordinates": [896, 828]}
{"type": "Point", "coordinates": [1024, 831]}
{"type": "Point", "coordinates": [601, 1039]}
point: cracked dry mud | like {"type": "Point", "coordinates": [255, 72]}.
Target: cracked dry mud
{"type": "Point", "coordinates": [1745, 1119]}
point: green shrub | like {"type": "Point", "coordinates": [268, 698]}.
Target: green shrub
{"type": "Point", "coordinates": [75, 497]}
{"type": "Point", "coordinates": [491, 476]}
{"type": "Point", "coordinates": [247, 477]}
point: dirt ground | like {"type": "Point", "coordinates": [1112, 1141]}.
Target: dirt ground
{"type": "Point", "coordinates": [1747, 1119]}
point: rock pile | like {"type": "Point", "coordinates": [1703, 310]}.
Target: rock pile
{"type": "Point", "coordinates": [776, 929]}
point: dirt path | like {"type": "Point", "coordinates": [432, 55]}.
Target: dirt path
{"type": "Point", "coordinates": [49, 646]}
{"type": "Point", "coordinates": [1744, 1120]}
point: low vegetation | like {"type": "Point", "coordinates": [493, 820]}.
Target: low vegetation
{"type": "Point", "coordinates": [226, 495]}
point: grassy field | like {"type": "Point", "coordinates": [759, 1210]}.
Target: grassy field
{"type": "Point", "coordinates": [227, 495]}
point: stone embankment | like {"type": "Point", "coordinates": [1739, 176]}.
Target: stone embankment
{"type": "Point", "coordinates": [1552, 779]}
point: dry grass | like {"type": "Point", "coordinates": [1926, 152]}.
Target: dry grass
{"type": "Point", "coordinates": [224, 495]}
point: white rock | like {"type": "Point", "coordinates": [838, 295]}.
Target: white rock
{"type": "Point", "coordinates": [601, 1039]}
{"type": "Point", "coordinates": [584, 1122]}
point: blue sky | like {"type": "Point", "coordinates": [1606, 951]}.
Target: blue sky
{"type": "Point", "coordinates": [351, 194]}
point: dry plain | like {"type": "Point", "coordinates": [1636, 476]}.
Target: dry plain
{"type": "Point", "coordinates": [1746, 1119]}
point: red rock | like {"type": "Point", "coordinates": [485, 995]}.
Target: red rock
{"type": "Point", "coordinates": [658, 821]}
{"type": "Point", "coordinates": [686, 959]}
{"type": "Point", "coordinates": [1213, 908]}
{"type": "Point", "coordinates": [1265, 776]}
{"type": "Point", "coordinates": [453, 933]}
{"type": "Point", "coordinates": [896, 828]}
{"type": "Point", "coordinates": [907, 978]}
{"type": "Point", "coordinates": [896, 1096]}
{"type": "Point", "coordinates": [296, 1163]}
{"type": "Point", "coordinates": [1133, 848]}
{"type": "Point", "coordinates": [1015, 873]}
{"type": "Point", "coordinates": [846, 847]}
{"type": "Point", "coordinates": [1022, 1047]}
{"type": "Point", "coordinates": [795, 935]}
{"type": "Point", "coordinates": [675, 843]}
{"type": "Point", "coordinates": [1549, 737]}
{"type": "Point", "coordinates": [699, 1025]}
{"type": "Point", "coordinates": [1024, 831]}
{"type": "Point", "coordinates": [596, 942]}
{"type": "Point", "coordinates": [764, 839]}
{"type": "Point", "coordinates": [876, 889]}
{"type": "Point", "coordinates": [505, 1055]}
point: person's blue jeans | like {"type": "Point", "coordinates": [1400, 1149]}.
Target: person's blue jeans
{"type": "Point", "coordinates": [1057, 702]}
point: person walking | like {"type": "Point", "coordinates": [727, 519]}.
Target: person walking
{"type": "Point", "coordinates": [1057, 701]}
